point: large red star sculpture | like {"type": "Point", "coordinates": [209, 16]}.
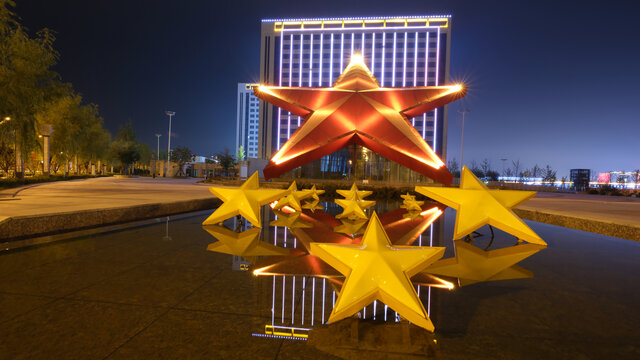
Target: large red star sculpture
{"type": "Point", "coordinates": [356, 110]}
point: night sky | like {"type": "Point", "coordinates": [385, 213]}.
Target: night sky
{"type": "Point", "coordinates": [551, 82]}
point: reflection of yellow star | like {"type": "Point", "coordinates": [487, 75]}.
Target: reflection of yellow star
{"type": "Point", "coordinates": [377, 270]}
{"type": "Point", "coordinates": [354, 193]}
{"type": "Point", "coordinates": [245, 201]}
{"type": "Point", "coordinates": [354, 209]}
{"type": "Point", "coordinates": [350, 227]}
{"type": "Point", "coordinates": [294, 197]}
{"type": "Point", "coordinates": [289, 220]}
{"type": "Point", "coordinates": [473, 265]}
{"type": "Point", "coordinates": [411, 204]}
{"type": "Point", "coordinates": [245, 244]}
{"type": "Point", "coordinates": [477, 205]}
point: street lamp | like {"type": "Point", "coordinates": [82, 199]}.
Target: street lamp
{"type": "Point", "coordinates": [171, 114]}
{"type": "Point", "coordinates": [463, 112]}
{"type": "Point", "coordinates": [157, 155]}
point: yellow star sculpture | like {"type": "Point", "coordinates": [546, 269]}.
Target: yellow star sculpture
{"type": "Point", "coordinates": [354, 193]}
{"type": "Point", "coordinates": [245, 244]}
{"type": "Point", "coordinates": [316, 192]}
{"type": "Point", "coordinates": [476, 206]}
{"type": "Point", "coordinates": [290, 221]}
{"type": "Point", "coordinates": [472, 265]}
{"type": "Point", "coordinates": [377, 270]}
{"type": "Point", "coordinates": [312, 205]}
{"type": "Point", "coordinates": [245, 200]}
{"type": "Point", "coordinates": [354, 209]}
{"type": "Point", "coordinates": [350, 227]}
{"type": "Point", "coordinates": [410, 203]}
{"type": "Point", "coordinates": [294, 197]}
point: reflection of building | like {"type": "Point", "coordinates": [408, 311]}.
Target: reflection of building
{"type": "Point", "coordinates": [247, 121]}
{"type": "Point", "coordinates": [402, 51]}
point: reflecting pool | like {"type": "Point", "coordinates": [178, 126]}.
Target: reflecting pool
{"type": "Point", "coordinates": [175, 289]}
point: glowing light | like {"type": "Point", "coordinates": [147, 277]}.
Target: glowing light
{"type": "Point", "coordinates": [356, 59]}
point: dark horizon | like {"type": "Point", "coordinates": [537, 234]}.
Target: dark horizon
{"type": "Point", "coordinates": [539, 74]}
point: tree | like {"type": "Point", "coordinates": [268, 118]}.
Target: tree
{"type": "Point", "coordinates": [549, 175]}
{"type": "Point", "coordinates": [476, 170]}
{"type": "Point", "coordinates": [27, 80]}
{"type": "Point", "coordinates": [492, 175]}
{"type": "Point", "coordinates": [240, 155]}
{"type": "Point", "coordinates": [125, 148]}
{"type": "Point", "coordinates": [454, 167]}
{"type": "Point", "coordinates": [181, 155]}
{"type": "Point", "coordinates": [516, 167]}
{"type": "Point", "coordinates": [227, 161]}
{"type": "Point", "coordinates": [485, 166]}
{"type": "Point", "coordinates": [536, 171]}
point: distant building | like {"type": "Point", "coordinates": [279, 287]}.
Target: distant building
{"type": "Point", "coordinates": [247, 121]}
{"type": "Point", "coordinates": [580, 178]}
{"type": "Point", "coordinates": [400, 51]}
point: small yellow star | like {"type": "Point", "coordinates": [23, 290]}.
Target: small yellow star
{"type": "Point", "coordinates": [350, 227]}
{"type": "Point", "coordinates": [411, 204]}
{"type": "Point", "coordinates": [245, 244]}
{"type": "Point", "coordinates": [472, 265]}
{"type": "Point", "coordinates": [377, 270]}
{"type": "Point", "coordinates": [294, 197]}
{"type": "Point", "coordinates": [353, 209]}
{"type": "Point", "coordinates": [476, 206]}
{"type": "Point", "coordinates": [245, 201]}
{"type": "Point", "coordinates": [312, 205]}
{"type": "Point", "coordinates": [354, 193]}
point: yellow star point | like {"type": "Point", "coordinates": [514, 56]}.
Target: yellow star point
{"type": "Point", "coordinates": [472, 265]}
{"type": "Point", "coordinates": [377, 270]}
{"type": "Point", "coordinates": [245, 200]}
{"type": "Point", "coordinates": [476, 206]}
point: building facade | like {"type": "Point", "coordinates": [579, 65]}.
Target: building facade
{"type": "Point", "coordinates": [399, 51]}
{"type": "Point", "coordinates": [247, 122]}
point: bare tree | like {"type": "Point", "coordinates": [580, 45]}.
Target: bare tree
{"type": "Point", "coordinates": [485, 166]}
{"type": "Point", "coordinates": [516, 167]}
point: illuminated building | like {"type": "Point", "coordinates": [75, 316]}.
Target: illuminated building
{"type": "Point", "coordinates": [247, 121]}
{"type": "Point", "coordinates": [399, 51]}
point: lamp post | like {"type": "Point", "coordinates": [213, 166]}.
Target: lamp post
{"type": "Point", "coordinates": [157, 155]}
{"type": "Point", "coordinates": [463, 112]}
{"type": "Point", "coordinates": [45, 133]}
{"type": "Point", "coordinates": [171, 114]}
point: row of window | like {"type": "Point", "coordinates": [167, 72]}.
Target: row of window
{"type": "Point", "coordinates": [358, 36]}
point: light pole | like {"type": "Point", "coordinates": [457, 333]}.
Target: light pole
{"type": "Point", "coordinates": [171, 114]}
{"type": "Point", "coordinates": [157, 156]}
{"type": "Point", "coordinates": [463, 112]}
{"type": "Point", "coordinates": [503, 161]}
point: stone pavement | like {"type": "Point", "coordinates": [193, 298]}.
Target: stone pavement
{"type": "Point", "coordinates": [55, 207]}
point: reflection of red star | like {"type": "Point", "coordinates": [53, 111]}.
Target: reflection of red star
{"type": "Point", "coordinates": [356, 110]}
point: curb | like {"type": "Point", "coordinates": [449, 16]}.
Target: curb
{"type": "Point", "coordinates": [22, 227]}
{"type": "Point", "coordinates": [623, 231]}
